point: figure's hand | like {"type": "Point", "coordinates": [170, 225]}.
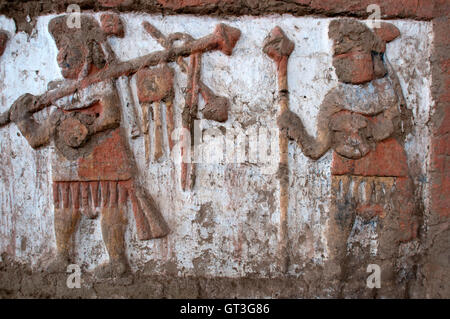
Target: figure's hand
{"type": "Point", "coordinates": [288, 124]}
{"type": "Point", "coordinates": [217, 109]}
{"type": "Point", "coordinates": [53, 85]}
{"type": "Point", "coordinates": [21, 113]}
{"type": "Point", "coordinates": [20, 110]}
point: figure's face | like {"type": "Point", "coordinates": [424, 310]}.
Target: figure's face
{"type": "Point", "coordinates": [72, 59]}
{"type": "Point", "coordinates": [379, 70]}
{"type": "Point", "coordinates": [359, 67]}
{"type": "Point", "coordinates": [350, 134]}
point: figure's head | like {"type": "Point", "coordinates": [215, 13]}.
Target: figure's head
{"type": "Point", "coordinates": [358, 51]}
{"type": "Point", "coordinates": [82, 50]}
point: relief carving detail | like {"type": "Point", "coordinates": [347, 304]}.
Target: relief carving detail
{"type": "Point", "coordinates": [93, 170]}
{"type": "Point", "coordinates": [364, 120]}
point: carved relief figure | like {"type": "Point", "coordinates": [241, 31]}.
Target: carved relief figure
{"type": "Point", "coordinates": [364, 120]}
{"type": "Point", "coordinates": [93, 170]}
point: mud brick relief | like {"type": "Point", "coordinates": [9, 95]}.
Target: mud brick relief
{"type": "Point", "coordinates": [364, 120]}
{"type": "Point", "coordinates": [340, 107]}
{"type": "Point", "coordinates": [92, 167]}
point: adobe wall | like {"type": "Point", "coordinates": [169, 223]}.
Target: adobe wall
{"type": "Point", "coordinates": [356, 176]}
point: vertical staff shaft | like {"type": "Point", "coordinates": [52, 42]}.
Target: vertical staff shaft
{"type": "Point", "coordinates": [188, 117]}
{"type": "Point", "coordinates": [278, 47]}
{"type": "Point", "coordinates": [283, 167]}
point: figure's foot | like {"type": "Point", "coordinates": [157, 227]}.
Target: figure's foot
{"type": "Point", "coordinates": [112, 269]}
{"type": "Point", "coordinates": [58, 264]}
{"type": "Point", "coordinates": [332, 278]}
{"type": "Point", "coordinates": [389, 289]}
{"type": "Point", "coordinates": [332, 271]}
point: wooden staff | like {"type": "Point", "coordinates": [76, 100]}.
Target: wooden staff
{"type": "Point", "coordinates": [146, 128]}
{"type": "Point", "coordinates": [158, 130]}
{"type": "Point", "coordinates": [224, 39]}
{"type": "Point", "coordinates": [188, 118]}
{"type": "Point", "coordinates": [278, 47]}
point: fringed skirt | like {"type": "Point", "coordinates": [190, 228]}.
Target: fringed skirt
{"type": "Point", "coordinates": [91, 197]}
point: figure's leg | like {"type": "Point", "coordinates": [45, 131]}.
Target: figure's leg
{"type": "Point", "coordinates": [405, 206]}
{"type": "Point", "coordinates": [398, 225]}
{"type": "Point", "coordinates": [65, 222]}
{"type": "Point", "coordinates": [338, 233]}
{"type": "Point", "coordinates": [113, 224]}
{"type": "Point", "coordinates": [388, 234]}
{"type": "Point", "coordinates": [113, 231]}
{"type": "Point", "coordinates": [340, 224]}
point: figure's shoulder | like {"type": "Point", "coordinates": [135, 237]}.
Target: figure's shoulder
{"type": "Point", "coordinates": [333, 100]}
{"type": "Point", "coordinates": [369, 99]}
{"type": "Point", "coordinates": [333, 92]}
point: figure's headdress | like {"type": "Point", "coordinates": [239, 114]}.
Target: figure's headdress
{"type": "Point", "coordinates": [355, 44]}
{"type": "Point", "coordinates": [88, 40]}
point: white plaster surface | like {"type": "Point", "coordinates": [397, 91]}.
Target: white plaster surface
{"type": "Point", "coordinates": [226, 226]}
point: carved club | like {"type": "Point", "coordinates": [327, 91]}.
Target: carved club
{"type": "Point", "coordinates": [223, 38]}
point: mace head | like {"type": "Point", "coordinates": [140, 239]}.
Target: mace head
{"type": "Point", "coordinates": [227, 37]}
{"type": "Point", "coordinates": [277, 45]}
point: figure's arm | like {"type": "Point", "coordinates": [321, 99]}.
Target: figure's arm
{"type": "Point", "coordinates": [37, 134]}
{"type": "Point", "coordinates": [399, 113]}
{"type": "Point", "coordinates": [293, 127]}
{"type": "Point", "coordinates": [395, 82]}
{"type": "Point", "coordinates": [110, 116]}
